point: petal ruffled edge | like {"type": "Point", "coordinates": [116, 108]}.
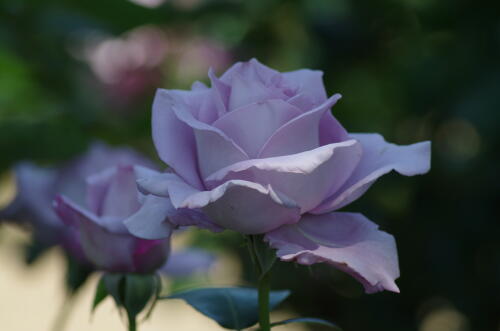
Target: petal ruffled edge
{"type": "Point", "coordinates": [379, 158]}
{"type": "Point", "coordinates": [348, 241]}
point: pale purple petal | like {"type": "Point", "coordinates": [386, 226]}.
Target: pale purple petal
{"type": "Point", "coordinates": [106, 250]}
{"type": "Point", "coordinates": [300, 134]}
{"type": "Point", "coordinates": [188, 262]}
{"type": "Point", "coordinates": [214, 149]}
{"type": "Point", "coordinates": [251, 126]}
{"type": "Point", "coordinates": [174, 140]}
{"type": "Point", "coordinates": [309, 82]}
{"type": "Point", "coordinates": [151, 221]}
{"type": "Point", "coordinates": [244, 92]}
{"type": "Point", "coordinates": [220, 93]}
{"type": "Point", "coordinates": [348, 241]}
{"type": "Point", "coordinates": [172, 186]}
{"type": "Point", "coordinates": [379, 158]}
{"type": "Point", "coordinates": [245, 207]}
{"type": "Point", "coordinates": [331, 131]}
{"type": "Point", "coordinates": [307, 177]}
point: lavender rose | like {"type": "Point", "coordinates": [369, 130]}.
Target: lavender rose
{"type": "Point", "coordinates": [259, 152]}
{"type": "Point", "coordinates": [37, 186]}
{"type": "Point", "coordinates": [112, 197]}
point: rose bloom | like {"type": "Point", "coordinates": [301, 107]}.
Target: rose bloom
{"type": "Point", "coordinates": [112, 197]}
{"type": "Point", "coordinates": [259, 152]}
{"type": "Point", "coordinates": [37, 186]}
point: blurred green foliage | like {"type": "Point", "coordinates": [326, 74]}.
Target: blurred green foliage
{"type": "Point", "coordinates": [411, 70]}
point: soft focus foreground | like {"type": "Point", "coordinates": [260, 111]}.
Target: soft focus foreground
{"type": "Point", "coordinates": [42, 285]}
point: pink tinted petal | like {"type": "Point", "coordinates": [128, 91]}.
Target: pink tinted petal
{"type": "Point", "coordinates": [307, 177]}
{"type": "Point", "coordinates": [214, 149]}
{"type": "Point", "coordinates": [379, 158]}
{"type": "Point", "coordinates": [106, 250]}
{"type": "Point", "coordinates": [174, 140]}
{"type": "Point", "coordinates": [150, 255]}
{"type": "Point", "coordinates": [246, 207]}
{"type": "Point", "coordinates": [300, 134]}
{"type": "Point", "coordinates": [348, 241]}
{"type": "Point", "coordinates": [188, 262]}
{"type": "Point", "coordinates": [151, 221]}
{"type": "Point", "coordinates": [251, 126]}
{"type": "Point", "coordinates": [309, 82]}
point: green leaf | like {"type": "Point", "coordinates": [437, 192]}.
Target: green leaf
{"type": "Point", "coordinates": [310, 320]}
{"type": "Point", "coordinates": [139, 289]}
{"type": "Point", "coordinates": [100, 294]}
{"type": "Point", "coordinates": [233, 308]}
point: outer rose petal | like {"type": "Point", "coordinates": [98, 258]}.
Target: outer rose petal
{"type": "Point", "coordinates": [300, 134]}
{"type": "Point", "coordinates": [151, 220]}
{"type": "Point", "coordinates": [379, 158]}
{"type": "Point", "coordinates": [251, 126]}
{"type": "Point", "coordinates": [348, 241]}
{"type": "Point", "coordinates": [242, 206]}
{"type": "Point", "coordinates": [307, 177]}
{"type": "Point", "coordinates": [174, 140]}
{"type": "Point", "coordinates": [214, 149]}
{"type": "Point", "coordinates": [106, 250]}
{"type": "Point", "coordinates": [171, 186]}
{"type": "Point", "coordinates": [150, 255]}
{"type": "Point", "coordinates": [309, 82]}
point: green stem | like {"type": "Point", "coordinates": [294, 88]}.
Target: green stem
{"type": "Point", "coordinates": [263, 267]}
{"type": "Point", "coordinates": [264, 288]}
{"type": "Point", "coordinates": [132, 323]}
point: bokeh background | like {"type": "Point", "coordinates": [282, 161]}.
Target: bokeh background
{"type": "Point", "coordinates": [75, 71]}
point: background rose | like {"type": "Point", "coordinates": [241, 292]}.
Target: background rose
{"type": "Point", "coordinates": [260, 153]}
{"type": "Point", "coordinates": [37, 186]}
{"type": "Point", "coordinates": [112, 197]}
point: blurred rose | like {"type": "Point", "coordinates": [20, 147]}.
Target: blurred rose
{"type": "Point", "coordinates": [112, 197]}
{"type": "Point", "coordinates": [260, 153]}
{"type": "Point", "coordinates": [37, 186]}
{"type": "Point", "coordinates": [128, 67]}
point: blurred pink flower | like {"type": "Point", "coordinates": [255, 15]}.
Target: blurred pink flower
{"type": "Point", "coordinates": [128, 66]}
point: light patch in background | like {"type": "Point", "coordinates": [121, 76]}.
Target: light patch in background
{"type": "Point", "coordinates": [8, 189]}
{"type": "Point", "coordinates": [440, 315]}
{"type": "Point", "coordinates": [37, 291]}
{"type": "Point", "coordinates": [459, 139]}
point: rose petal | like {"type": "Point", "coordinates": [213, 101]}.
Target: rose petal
{"type": "Point", "coordinates": [309, 82]}
{"type": "Point", "coordinates": [244, 92]}
{"type": "Point", "coordinates": [348, 241]}
{"type": "Point", "coordinates": [150, 255]}
{"type": "Point", "coordinates": [113, 192]}
{"type": "Point", "coordinates": [300, 134]}
{"type": "Point", "coordinates": [307, 177]}
{"type": "Point", "coordinates": [106, 250]}
{"type": "Point", "coordinates": [172, 186]}
{"type": "Point", "coordinates": [214, 149]}
{"type": "Point", "coordinates": [151, 221]}
{"type": "Point", "coordinates": [245, 207]}
{"type": "Point", "coordinates": [174, 140]}
{"type": "Point", "coordinates": [251, 126]}
{"type": "Point", "coordinates": [379, 158]}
